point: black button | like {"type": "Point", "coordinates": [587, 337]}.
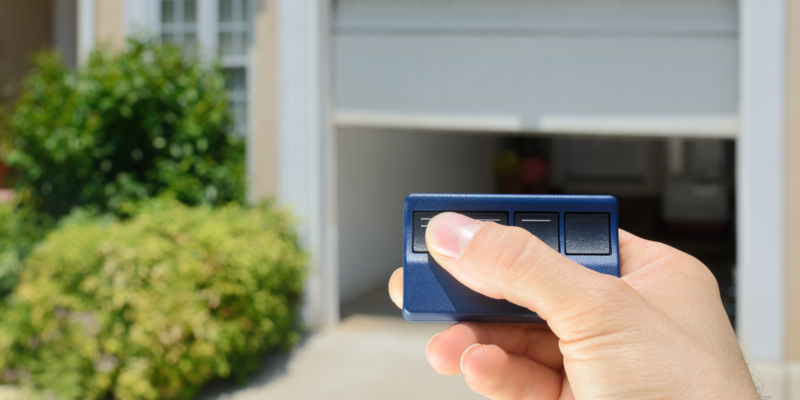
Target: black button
{"type": "Point", "coordinates": [421, 219]}
{"type": "Point", "coordinates": [542, 225]}
{"type": "Point", "coordinates": [587, 234]}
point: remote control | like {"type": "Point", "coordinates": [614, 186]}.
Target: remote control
{"type": "Point", "coordinates": [582, 228]}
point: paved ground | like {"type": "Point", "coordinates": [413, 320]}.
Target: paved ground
{"type": "Point", "coordinates": [373, 354]}
{"type": "Point", "coordinates": [366, 357]}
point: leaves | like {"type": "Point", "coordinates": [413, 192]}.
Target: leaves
{"type": "Point", "coordinates": [124, 128]}
{"type": "Point", "coordinates": [129, 297]}
{"type": "Point", "coordinates": [20, 230]}
{"type": "Point", "coordinates": [153, 306]}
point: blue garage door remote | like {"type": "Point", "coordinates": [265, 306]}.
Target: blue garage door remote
{"type": "Point", "coordinates": [582, 228]}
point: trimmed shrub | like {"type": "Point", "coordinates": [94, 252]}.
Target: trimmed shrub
{"type": "Point", "coordinates": [126, 127]}
{"type": "Point", "coordinates": [154, 306]}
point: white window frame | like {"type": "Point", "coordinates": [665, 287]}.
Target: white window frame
{"type": "Point", "coordinates": [86, 30]}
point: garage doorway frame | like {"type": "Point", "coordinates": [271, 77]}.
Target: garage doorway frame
{"type": "Point", "coordinates": [307, 163]}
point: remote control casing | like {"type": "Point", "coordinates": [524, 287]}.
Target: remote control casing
{"type": "Point", "coordinates": [431, 294]}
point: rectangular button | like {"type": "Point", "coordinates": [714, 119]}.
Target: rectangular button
{"type": "Point", "coordinates": [587, 234]}
{"type": "Point", "coordinates": [421, 219]}
{"type": "Point", "coordinates": [542, 225]}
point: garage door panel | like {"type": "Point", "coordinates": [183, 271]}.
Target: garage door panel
{"type": "Point", "coordinates": [423, 77]}
{"type": "Point", "coordinates": [529, 76]}
{"type": "Point", "coordinates": [372, 73]}
{"type": "Point", "coordinates": [712, 16]}
{"type": "Point", "coordinates": [658, 76]}
{"type": "Point", "coordinates": [665, 81]}
{"type": "Point", "coordinates": [482, 93]}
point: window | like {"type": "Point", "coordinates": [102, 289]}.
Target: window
{"type": "Point", "coordinates": [179, 23]}
{"type": "Point", "coordinates": [237, 86]}
{"type": "Point", "coordinates": [235, 41]}
{"type": "Point", "coordinates": [221, 27]}
{"type": "Point", "coordinates": [235, 33]}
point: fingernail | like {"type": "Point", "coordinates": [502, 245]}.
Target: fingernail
{"type": "Point", "coordinates": [449, 234]}
{"type": "Point", "coordinates": [461, 364]}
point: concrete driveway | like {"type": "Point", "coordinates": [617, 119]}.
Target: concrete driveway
{"type": "Point", "coordinates": [365, 357]}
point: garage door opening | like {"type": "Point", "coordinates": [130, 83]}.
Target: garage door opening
{"type": "Point", "coordinates": [676, 191]}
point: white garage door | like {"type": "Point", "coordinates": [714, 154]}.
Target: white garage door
{"type": "Point", "coordinates": [664, 67]}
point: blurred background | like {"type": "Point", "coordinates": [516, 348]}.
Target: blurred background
{"type": "Point", "coordinates": [687, 111]}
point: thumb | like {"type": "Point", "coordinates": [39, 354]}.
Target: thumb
{"type": "Point", "coordinates": [504, 262]}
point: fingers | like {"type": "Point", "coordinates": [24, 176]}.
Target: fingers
{"type": "Point", "coordinates": [490, 371]}
{"type": "Point", "coordinates": [396, 287]}
{"type": "Point", "coordinates": [509, 263]}
{"type": "Point", "coordinates": [634, 252]}
{"type": "Point", "coordinates": [626, 237]}
{"type": "Point", "coordinates": [531, 341]}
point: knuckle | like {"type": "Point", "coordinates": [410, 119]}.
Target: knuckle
{"type": "Point", "coordinates": [686, 267]}
{"type": "Point", "coordinates": [699, 273]}
{"type": "Point", "coordinates": [692, 271]}
{"type": "Point", "coordinates": [657, 251]}
{"type": "Point", "coordinates": [515, 255]}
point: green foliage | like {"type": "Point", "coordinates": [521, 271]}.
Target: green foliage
{"type": "Point", "coordinates": [153, 306]}
{"type": "Point", "coordinates": [20, 229]}
{"type": "Point", "coordinates": [128, 126]}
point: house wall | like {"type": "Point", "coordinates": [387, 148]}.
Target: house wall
{"type": "Point", "coordinates": [377, 170]}
{"type": "Point", "coordinates": [793, 184]}
{"type": "Point", "coordinates": [263, 145]}
{"type": "Point", "coordinates": [109, 23]}
{"type": "Point", "coordinates": [25, 27]}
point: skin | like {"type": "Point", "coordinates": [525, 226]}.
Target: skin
{"type": "Point", "coordinates": [658, 332]}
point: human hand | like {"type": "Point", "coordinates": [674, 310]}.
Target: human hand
{"type": "Point", "coordinates": [659, 331]}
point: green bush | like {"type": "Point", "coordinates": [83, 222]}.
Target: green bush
{"type": "Point", "coordinates": [126, 127]}
{"type": "Point", "coordinates": [153, 306]}
{"type": "Point", "coordinates": [20, 229]}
